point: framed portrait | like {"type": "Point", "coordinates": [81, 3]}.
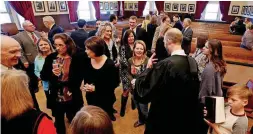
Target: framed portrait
{"type": "Point", "coordinates": [251, 10]}
{"type": "Point", "coordinates": [167, 7]}
{"type": "Point", "coordinates": [62, 6]}
{"type": "Point", "coordinates": [191, 7]}
{"type": "Point", "coordinates": [125, 6]}
{"type": "Point", "coordinates": [235, 9]}
{"type": "Point", "coordinates": [130, 6]}
{"type": "Point", "coordinates": [183, 7]}
{"type": "Point", "coordinates": [174, 7]}
{"type": "Point", "coordinates": [111, 5]}
{"type": "Point", "coordinates": [101, 5]}
{"type": "Point", "coordinates": [243, 10]}
{"type": "Point", "coordinates": [106, 6]}
{"type": "Point", "coordinates": [51, 6]}
{"type": "Point", "coordinates": [136, 6]}
{"type": "Point", "coordinates": [246, 10]}
{"type": "Point", "coordinates": [39, 6]}
{"type": "Point", "coordinates": [116, 6]}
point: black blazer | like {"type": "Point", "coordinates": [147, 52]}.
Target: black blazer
{"type": "Point", "coordinates": [178, 25]}
{"type": "Point", "coordinates": [141, 34]}
{"type": "Point", "coordinates": [187, 39]}
{"type": "Point", "coordinates": [150, 32]}
{"type": "Point", "coordinates": [114, 52]}
{"type": "Point", "coordinates": [79, 36]}
{"type": "Point", "coordinates": [92, 33]}
{"type": "Point", "coordinates": [160, 50]}
{"type": "Point", "coordinates": [54, 30]}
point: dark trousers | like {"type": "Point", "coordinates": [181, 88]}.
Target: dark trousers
{"type": "Point", "coordinates": [60, 109]}
{"type": "Point", "coordinates": [33, 84]}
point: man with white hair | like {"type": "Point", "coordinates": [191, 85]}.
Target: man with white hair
{"type": "Point", "coordinates": [53, 28]}
{"type": "Point", "coordinates": [28, 41]}
{"type": "Point", "coordinates": [10, 54]}
{"type": "Point", "coordinates": [187, 36]}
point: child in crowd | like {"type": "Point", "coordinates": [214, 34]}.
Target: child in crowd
{"type": "Point", "coordinates": [236, 120]}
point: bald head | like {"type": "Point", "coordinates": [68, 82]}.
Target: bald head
{"type": "Point", "coordinates": [173, 39]}
{"type": "Point", "coordinates": [10, 51]}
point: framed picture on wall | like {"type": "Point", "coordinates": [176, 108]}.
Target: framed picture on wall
{"type": "Point", "coordinates": [116, 6]}
{"type": "Point", "coordinates": [39, 6]}
{"type": "Point", "coordinates": [125, 6]}
{"type": "Point", "coordinates": [183, 7]}
{"type": "Point", "coordinates": [175, 7]}
{"type": "Point", "coordinates": [136, 6]}
{"type": "Point", "coordinates": [191, 7]}
{"type": "Point", "coordinates": [62, 6]}
{"type": "Point", "coordinates": [246, 10]}
{"type": "Point", "coordinates": [249, 10]}
{"type": "Point", "coordinates": [243, 10]}
{"type": "Point", "coordinates": [235, 9]}
{"type": "Point", "coordinates": [51, 5]}
{"type": "Point", "coordinates": [106, 6]}
{"type": "Point", "coordinates": [130, 6]}
{"type": "Point", "coordinates": [167, 7]}
{"type": "Point", "coordinates": [111, 5]}
{"type": "Point", "coordinates": [101, 5]}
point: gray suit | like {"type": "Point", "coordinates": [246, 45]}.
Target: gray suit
{"type": "Point", "coordinates": [187, 39]}
{"type": "Point", "coordinates": [29, 49]}
{"type": "Point", "coordinates": [155, 38]}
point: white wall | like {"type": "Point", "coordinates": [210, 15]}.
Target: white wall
{"type": "Point", "coordinates": [240, 4]}
{"type": "Point", "coordinates": [180, 2]}
{"type": "Point", "coordinates": [46, 9]}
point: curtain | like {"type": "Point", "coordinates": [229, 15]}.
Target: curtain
{"type": "Point", "coordinates": [224, 8]}
{"type": "Point", "coordinates": [141, 6]}
{"type": "Point", "coordinates": [123, 8]}
{"type": "Point", "coordinates": [200, 6]}
{"type": "Point", "coordinates": [97, 8]}
{"type": "Point", "coordinates": [24, 8]}
{"type": "Point", "coordinates": [73, 5]}
{"type": "Point", "coordinates": [159, 6]}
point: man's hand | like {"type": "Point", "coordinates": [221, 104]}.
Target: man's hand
{"type": "Point", "coordinates": [213, 125]}
{"type": "Point", "coordinates": [43, 34]}
{"type": "Point", "coordinates": [151, 61]}
{"type": "Point", "coordinates": [26, 64]}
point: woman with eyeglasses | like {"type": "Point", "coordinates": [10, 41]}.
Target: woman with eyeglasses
{"type": "Point", "coordinates": [44, 49]}
{"type": "Point", "coordinates": [199, 56]}
{"type": "Point", "coordinates": [56, 71]}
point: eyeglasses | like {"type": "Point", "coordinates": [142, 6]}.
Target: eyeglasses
{"type": "Point", "coordinates": [59, 45]}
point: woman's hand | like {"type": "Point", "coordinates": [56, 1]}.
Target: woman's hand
{"type": "Point", "coordinates": [151, 61]}
{"type": "Point", "coordinates": [205, 112]}
{"type": "Point", "coordinates": [56, 71]}
{"type": "Point", "coordinates": [88, 87]}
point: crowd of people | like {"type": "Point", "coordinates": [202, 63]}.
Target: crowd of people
{"type": "Point", "coordinates": [152, 62]}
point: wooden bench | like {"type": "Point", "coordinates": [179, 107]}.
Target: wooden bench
{"type": "Point", "coordinates": [225, 37]}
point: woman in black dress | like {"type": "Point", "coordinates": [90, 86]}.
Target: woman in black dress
{"type": "Point", "coordinates": [100, 76]}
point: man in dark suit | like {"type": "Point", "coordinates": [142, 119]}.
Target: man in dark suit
{"type": "Point", "coordinates": [187, 36]}
{"type": "Point", "coordinates": [93, 32]}
{"type": "Point", "coordinates": [177, 22]}
{"type": "Point", "coordinates": [140, 33]}
{"type": "Point", "coordinates": [53, 28]}
{"type": "Point", "coordinates": [28, 42]}
{"type": "Point", "coordinates": [79, 36]}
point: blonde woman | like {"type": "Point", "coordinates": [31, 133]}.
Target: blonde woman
{"type": "Point", "coordinates": [137, 64]}
{"type": "Point", "coordinates": [44, 49]}
{"type": "Point", "coordinates": [18, 114]}
{"type": "Point", "coordinates": [92, 120]}
{"type": "Point", "coordinates": [146, 22]}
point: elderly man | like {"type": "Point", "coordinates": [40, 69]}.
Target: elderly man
{"type": "Point", "coordinates": [28, 41]}
{"type": "Point", "coordinates": [10, 54]}
{"type": "Point", "coordinates": [187, 36]}
{"type": "Point", "coordinates": [171, 86]}
{"type": "Point", "coordinates": [53, 28]}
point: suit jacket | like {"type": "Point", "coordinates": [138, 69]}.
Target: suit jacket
{"type": "Point", "coordinates": [79, 36]}
{"type": "Point", "coordinates": [187, 39]}
{"type": "Point", "coordinates": [29, 49]}
{"type": "Point", "coordinates": [141, 34]}
{"type": "Point", "coordinates": [93, 33]}
{"type": "Point", "coordinates": [54, 30]}
{"type": "Point", "coordinates": [150, 32]}
{"type": "Point", "coordinates": [178, 25]}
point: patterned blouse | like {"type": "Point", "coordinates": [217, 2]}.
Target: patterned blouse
{"type": "Point", "coordinates": [201, 60]}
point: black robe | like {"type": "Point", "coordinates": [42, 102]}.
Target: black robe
{"type": "Point", "coordinates": [172, 88]}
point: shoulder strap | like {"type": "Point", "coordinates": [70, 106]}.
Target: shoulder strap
{"type": "Point", "coordinates": [37, 122]}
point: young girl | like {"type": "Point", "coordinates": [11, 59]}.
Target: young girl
{"type": "Point", "coordinates": [137, 64]}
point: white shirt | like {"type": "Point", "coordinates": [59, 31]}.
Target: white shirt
{"type": "Point", "coordinates": [186, 29]}
{"type": "Point", "coordinates": [30, 35]}
{"type": "Point", "coordinates": [178, 52]}
{"type": "Point", "coordinates": [4, 68]}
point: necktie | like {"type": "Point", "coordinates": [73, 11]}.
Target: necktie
{"type": "Point", "coordinates": [34, 38]}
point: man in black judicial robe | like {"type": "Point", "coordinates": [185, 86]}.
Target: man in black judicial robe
{"type": "Point", "coordinates": [172, 87]}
